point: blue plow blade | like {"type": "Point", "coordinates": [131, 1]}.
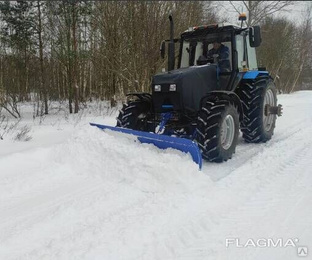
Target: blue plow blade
{"type": "Point", "coordinates": [161, 141]}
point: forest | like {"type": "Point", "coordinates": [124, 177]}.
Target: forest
{"type": "Point", "coordinates": [82, 51]}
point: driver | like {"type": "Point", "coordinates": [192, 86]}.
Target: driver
{"type": "Point", "coordinates": [222, 53]}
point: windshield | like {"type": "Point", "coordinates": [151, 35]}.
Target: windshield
{"type": "Point", "coordinates": [214, 48]}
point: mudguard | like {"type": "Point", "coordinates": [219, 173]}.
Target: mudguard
{"type": "Point", "coordinates": [161, 141]}
{"type": "Point", "coordinates": [252, 74]}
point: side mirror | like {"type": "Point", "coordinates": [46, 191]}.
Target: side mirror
{"type": "Point", "coordinates": [162, 49]}
{"type": "Point", "coordinates": [254, 36]}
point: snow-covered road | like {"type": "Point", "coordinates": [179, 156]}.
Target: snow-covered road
{"type": "Point", "coordinates": [97, 195]}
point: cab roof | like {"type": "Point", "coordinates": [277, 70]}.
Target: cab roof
{"type": "Point", "coordinates": [203, 30]}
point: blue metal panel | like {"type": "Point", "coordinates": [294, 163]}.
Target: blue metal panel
{"type": "Point", "coordinates": [167, 106]}
{"type": "Point", "coordinates": [254, 73]}
{"type": "Point", "coordinates": [161, 141]}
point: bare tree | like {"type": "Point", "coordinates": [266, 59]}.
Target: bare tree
{"type": "Point", "coordinates": [305, 45]}
{"type": "Point", "coordinates": [278, 56]}
{"type": "Point", "coordinates": [43, 86]}
{"type": "Point", "coordinates": [257, 11]}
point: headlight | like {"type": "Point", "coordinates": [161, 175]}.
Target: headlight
{"type": "Point", "coordinates": [172, 87]}
{"type": "Point", "coordinates": [157, 88]}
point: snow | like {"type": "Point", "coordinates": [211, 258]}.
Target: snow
{"type": "Point", "coordinates": [76, 192]}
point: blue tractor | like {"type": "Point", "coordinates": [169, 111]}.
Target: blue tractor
{"type": "Point", "coordinates": [215, 90]}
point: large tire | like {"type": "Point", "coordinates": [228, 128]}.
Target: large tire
{"type": "Point", "coordinates": [134, 115]}
{"type": "Point", "coordinates": [217, 130]}
{"type": "Point", "coordinates": [256, 126]}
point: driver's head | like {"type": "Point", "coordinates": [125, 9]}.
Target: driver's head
{"type": "Point", "coordinates": [216, 44]}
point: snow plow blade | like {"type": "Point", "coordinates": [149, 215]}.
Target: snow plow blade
{"type": "Point", "coordinates": [161, 141]}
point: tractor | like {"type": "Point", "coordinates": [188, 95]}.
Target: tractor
{"type": "Point", "coordinates": [200, 105]}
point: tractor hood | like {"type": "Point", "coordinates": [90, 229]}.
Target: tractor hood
{"type": "Point", "coordinates": [192, 84]}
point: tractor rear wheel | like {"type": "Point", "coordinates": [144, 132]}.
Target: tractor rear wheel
{"type": "Point", "coordinates": [255, 96]}
{"type": "Point", "coordinates": [217, 130]}
{"type": "Point", "coordinates": [134, 115]}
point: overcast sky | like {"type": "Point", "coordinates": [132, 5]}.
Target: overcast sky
{"type": "Point", "coordinates": [294, 12]}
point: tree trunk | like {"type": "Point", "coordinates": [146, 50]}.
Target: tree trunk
{"type": "Point", "coordinates": [74, 75]}
{"type": "Point", "coordinates": [42, 85]}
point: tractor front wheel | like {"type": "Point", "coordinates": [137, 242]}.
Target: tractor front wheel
{"type": "Point", "coordinates": [217, 130]}
{"type": "Point", "coordinates": [134, 115]}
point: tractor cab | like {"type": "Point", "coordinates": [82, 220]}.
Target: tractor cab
{"type": "Point", "coordinates": [196, 43]}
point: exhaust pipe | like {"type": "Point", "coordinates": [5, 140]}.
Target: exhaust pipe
{"type": "Point", "coordinates": [171, 51]}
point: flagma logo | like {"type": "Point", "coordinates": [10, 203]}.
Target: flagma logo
{"type": "Point", "coordinates": [261, 242]}
{"type": "Point", "coordinates": [302, 251]}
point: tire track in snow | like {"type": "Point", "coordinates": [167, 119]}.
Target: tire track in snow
{"type": "Point", "coordinates": [259, 199]}
{"type": "Point", "coordinates": [283, 196]}
{"type": "Point", "coordinates": [246, 152]}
